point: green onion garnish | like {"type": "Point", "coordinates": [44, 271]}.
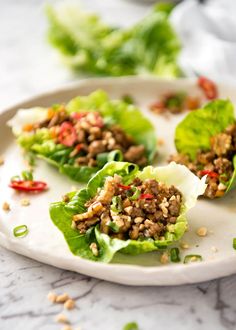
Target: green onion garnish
{"type": "Point", "coordinates": [192, 258]}
{"type": "Point", "coordinates": [174, 255]}
{"type": "Point", "coordinates": [27, 175]}
{"type": "Point", "coordinates": [115, 155]}
{"type": "Point", "coordinates": [128, 99]}
{"type": "Point", "coordinates": [136, 193]}
{"type": "Point", "coordinates": [131, 326]}
{"type": "Point", "coordinates": [116, 205]}
{"type": "Point", "coordinates": [234, 243]}
{"type": "Point", "coordinates": [20, 231]}
{"type": "Point", "coordinates": [113, 226]}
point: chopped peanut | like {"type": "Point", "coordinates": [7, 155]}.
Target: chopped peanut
{"type": "Point", "coordinates": [6, 206]}
{"type": "Point", "coordinates": [69, 304]}
{"type": "Point", "coordinates": [67, 327]}
{"type": "Point", "coordinates": [52, 297]}
{"type": "Point", "coordinates": [202, 231]}
{"type": "Point", "coordinates": [61, 318]}
{"type": "Point", "coordinates": [164, 258]}
{"type": "Point", "coordinates": [25, 202]}
{"type": "Point", "coordinates": [62, 298]}
{"type": "Point", "coordinates": [93, 247]}
{"type": "Point", "coordinates": [214, 249]}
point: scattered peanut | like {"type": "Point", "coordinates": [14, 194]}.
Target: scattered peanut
{"type": "Point", "coordinates": [214, 249]}
{"type": "Point", "coordinates": [61, 318]}
{"type": "Point", "coordinates": [52, 297]}
{"type": "Point", "coordinates": [69, 304]}
{"type": "Point", "coordinates": [202, 231]}
{"type": "Point", "coordinates": [62, 298]}
{"type": "Point", "coordinates": [164, 258]}
{"type": "Point", "coordinates": [93, 247]}
{"type": "Point", "coordinates": [6, 206]}
{"type": "Point", "coordinates": [184, 245]}
{"type": "Point", "coordinates": [67, 327]}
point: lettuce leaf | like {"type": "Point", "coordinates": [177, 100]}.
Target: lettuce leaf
{"type": "Point", "coordinates": [127, 116]}
{"type": "Point", "coordinates": [194, 132]}
{"type": "Point", "coordinates": [90, 46]}
{"type": "Point", "coordinates": [178, 175]}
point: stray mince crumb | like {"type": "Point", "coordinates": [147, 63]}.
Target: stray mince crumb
{"type": "Point", "coordinates": [214, 249]}
{"type": "Point", "coordinates": [202, 231]}
{"type": "Point", "coordinates": [1, 160]}
{"type": "Point", "coordinates": [93, 247]}
{"type": "Point", "coordinates": [6, 206]}
{"type": "Point", "coordinates": [62, 298]}
{"type": "Point", "coordinates": [164, 258]}
{"type": "Point", "coordinates": [52, 297]}
{"type": "Point", "coordinates": [69, 304]}
{"type": "Point", "coordinates": [25, 202]}
{"type": "Point", "coordinates": [61, 318]}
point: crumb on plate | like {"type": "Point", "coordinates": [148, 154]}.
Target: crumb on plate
{"type": "Point", "coordinates": [6, 206]}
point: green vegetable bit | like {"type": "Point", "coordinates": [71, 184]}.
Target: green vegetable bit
{"type": "Point", "coordinates": [27, 175]}
{"type": "Point", "coordinates": [234, 243]}
{"type": "Point", "coordinates": [113, 226]}
{"type": "Point", "coordinates": [174, 255]}
{"type": "Point", "coordinates": [192, 258]}
{"type": "Point", "coordinates": [116, 205]}
{"type": "Point", "coordinates": [136, 193]}
{"type": "Point", "coordinates": [131, 326]}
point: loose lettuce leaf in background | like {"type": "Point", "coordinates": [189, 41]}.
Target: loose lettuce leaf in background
{"type": "Point", "coordinates": [90, 46]}
{"type": "Point", "coordinates": [117, 112]}
{"type": "Point", "coordinates": [194, 132]}
{"type": "Point", "coordinates": [178, 175]}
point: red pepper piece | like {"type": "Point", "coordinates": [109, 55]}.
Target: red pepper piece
{"type": "Point", "coordinates": [122, 186]}
{"type": "Point", "coordinates": [209, 88]}
{"type": "Point", "coordinates": [78, 115]}
{"type": "Point", "coordinates": [146, 196]}
{"type": "Point", "coordinates": [67, 134]}
{"type": "Point", "coordinates": [211, 174]}
{"type": "Point", "coordinates": [28, 185]}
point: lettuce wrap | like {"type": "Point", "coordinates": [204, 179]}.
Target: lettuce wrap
{"type": "Point", "coordinates": [207, 137]}
{"type": "Point", "coordinates": [43, 143]}
{"type": "Point", "coordinates": [90, 46]}
{"type": "Point", "coordinates": [74, 203]}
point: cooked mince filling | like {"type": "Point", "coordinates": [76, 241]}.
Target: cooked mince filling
{"type": "Point", "coordinates": [217, 163]}
{"type": "Point", "coordinates": [140, 210]}
{"type": "Point", "coordinates": [88, 136]}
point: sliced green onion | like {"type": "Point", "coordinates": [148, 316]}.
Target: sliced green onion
{"type": "Point", "coordinates": [234, 243]}
{"type": "Point", "coordinates": [20, 231]}
{"type": "Point", "coordinates": [113, 226]}
{"type": "Point", "coordinates": [27, 175]}
{"type": "Point", "coordinates": [128, 99]}
{"type": "Point", "coordinates": [192, 258]}
{"type": "Point", "coordinates": [116, 205]}
{"type": "Point", "coordinates": [131, 326]}
{"type": "Point", "coordinates": [115, 155]}
{"type": "Point", "coordinates": [174, 255]}
{"type": "Point", "coordinates": [136, 193]}
{"type": "Point", "coordinates": [102, 159]}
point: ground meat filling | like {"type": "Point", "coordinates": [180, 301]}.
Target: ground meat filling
{"type": "Point", "coordinates": [217, 163]}
{"type": "Point", "coordinates": [140, 210]}
{"type": "Point", "coordinates": [88, 136]}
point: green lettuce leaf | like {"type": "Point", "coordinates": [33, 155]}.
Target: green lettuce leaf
{"type": "Point", "coordinates": [178, 175]}
{"type": "Point", "coordinates": [194, 132]}
{"type": "Point", "coordinates": [127, 116]}
{"type": "Point", "coordinates": [90, 46]}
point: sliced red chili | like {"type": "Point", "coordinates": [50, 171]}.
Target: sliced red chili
{"type": "Point", "coordinates": [209, 88]}
{"type": "Point", "coordinates": [211, 174]}
{"type": "Point", "coordinates": [28, 185]}
{"type": "Point", "coordinates": [78, 115]}
{"type": "Point", "coordinates": [67, 134]}
{"type": "Point", "coordinates": [122, 186]}
{"type": "Point", "coordinates": [146, 196]}
{"type": "Point", "coordinates": [158, 106]}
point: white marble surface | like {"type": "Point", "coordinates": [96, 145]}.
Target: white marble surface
{"type": "Point", "coordinates": [28, 66]}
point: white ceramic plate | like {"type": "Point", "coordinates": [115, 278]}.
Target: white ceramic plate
{"type": "Point", "coordinates": [46, 243]}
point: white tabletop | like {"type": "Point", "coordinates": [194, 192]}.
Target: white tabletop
{"type": "Point", "coordinates": [29, 66]}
